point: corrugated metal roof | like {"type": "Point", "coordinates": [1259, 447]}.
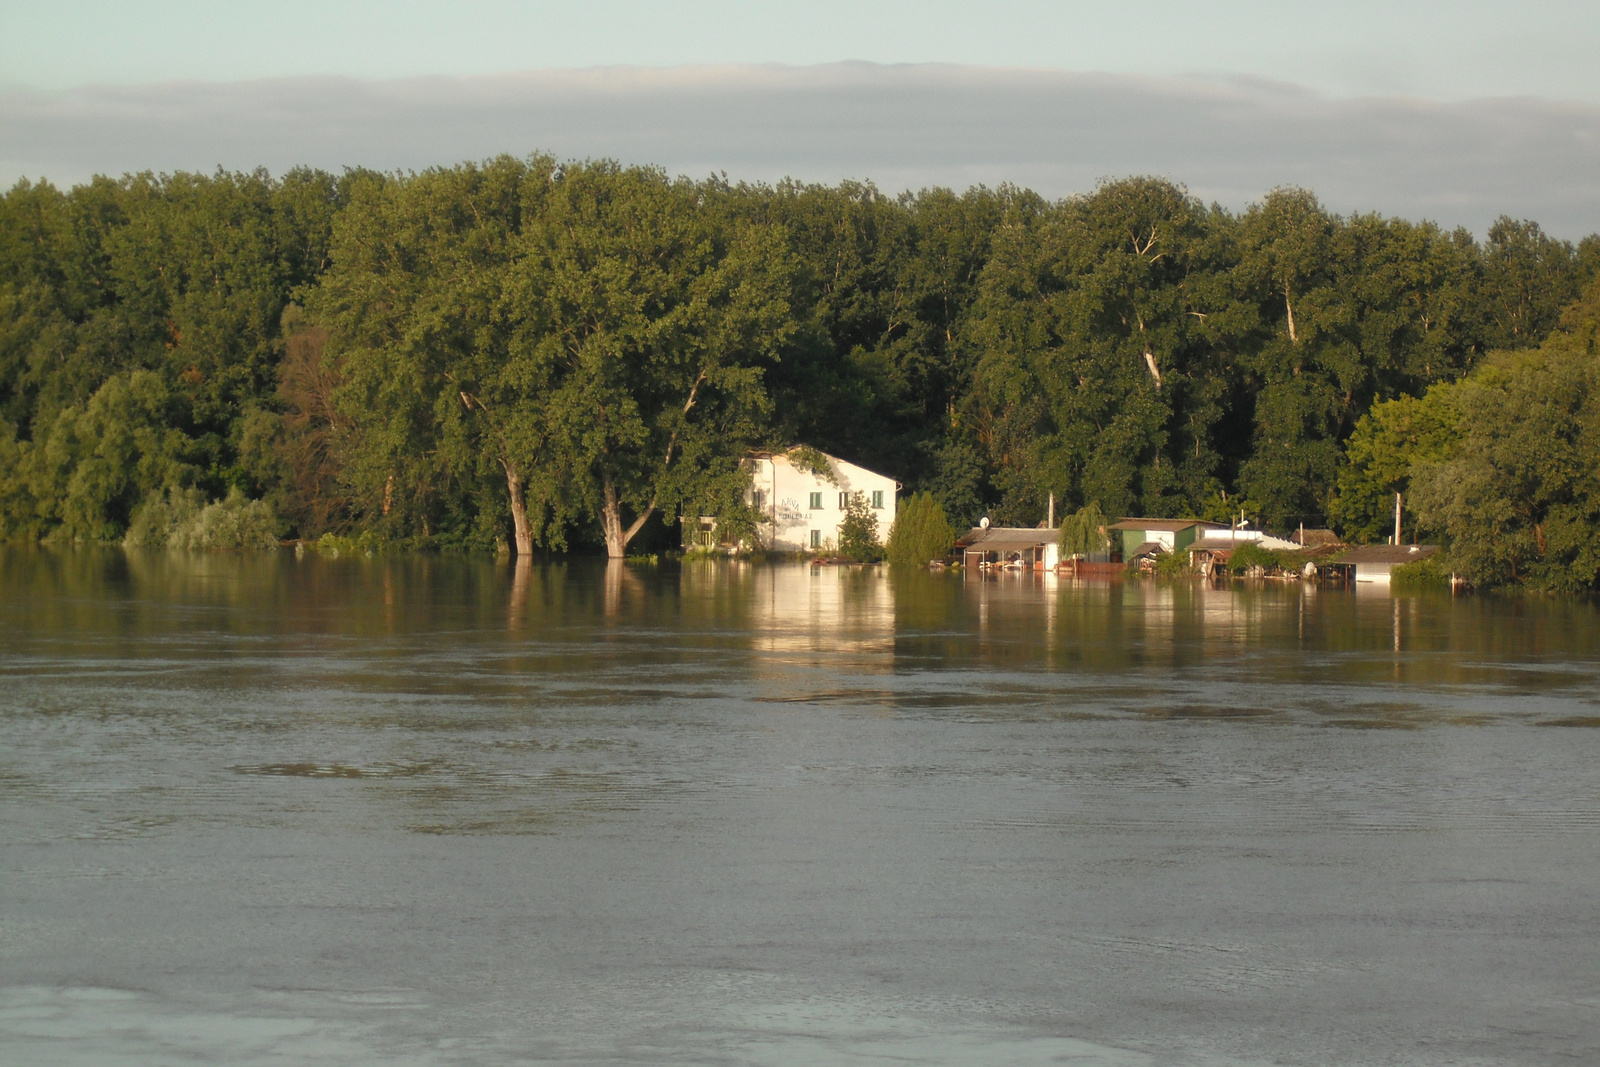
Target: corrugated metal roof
{"type": "Point", "coordinates": [1387, 554]}
{"type": "Point", "coordinates": [1169, 525]}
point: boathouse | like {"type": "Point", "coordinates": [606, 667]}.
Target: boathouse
{"type": "Point", "coordinates": [1009, 547]}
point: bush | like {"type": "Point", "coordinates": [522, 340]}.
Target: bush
{"type": "Point", "coordinates": [1251, 554]}
{"type": "Point", "coordinates": [179, 518]}
{"type": "Point", "coordinates": [367, 543]}
{"type": "Point", "coordinates": [1174, 564]}
{"type": "Point", "coordinates": [921, 532]}
{"type": "Point", "coordinates": [161, 515]}
{"type": "Point", "coordinates": [858, 532]}
{"type": "Point", "coordinates": [1423, 574]}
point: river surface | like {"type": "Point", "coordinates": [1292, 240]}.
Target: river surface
{"type": "Point", "coordinates": [261, 809]}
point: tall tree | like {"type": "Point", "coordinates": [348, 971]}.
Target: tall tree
{"type": "Point", "coordinates": [639, 330]}
{"type": "Point", "coordinates": [1095, 350]}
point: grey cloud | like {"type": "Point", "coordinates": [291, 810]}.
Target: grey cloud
{"type": "Point", "coordinates": [900, 126]}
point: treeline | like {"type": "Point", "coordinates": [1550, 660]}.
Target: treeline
{"type": "Point", "coordinates": [560, 354]}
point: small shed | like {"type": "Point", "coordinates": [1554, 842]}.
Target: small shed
{"type": "Point", "coordinates": [1011, 547]}
{"type": "Point", "coordinates": [1372, 563]}
{"type": "Point", "coordinates": [1136, 538]}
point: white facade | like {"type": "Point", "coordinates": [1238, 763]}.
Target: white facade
{"type": "Point", "coordinates": [803, 509]}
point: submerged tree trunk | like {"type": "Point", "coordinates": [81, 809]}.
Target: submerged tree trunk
{"type": "Point", "coordinates": [519, 512]}
{"type": "Point", "coordinates": [618, 536]}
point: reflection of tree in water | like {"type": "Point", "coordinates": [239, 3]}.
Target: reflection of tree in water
{"type": "Point", "coordinates": [725, 611]}
{"type": "Point", "coordinates": [620, 579]}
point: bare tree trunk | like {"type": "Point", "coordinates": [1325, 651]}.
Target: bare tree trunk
{"type": "Point", "coordinates": [1288, 307]}
{"type": "Point", "coordinates": [1150, 362]}
{"type": "Point", "coordinates": [519, 512]}
{"type": "Point", "coordinates": [1149, 356]}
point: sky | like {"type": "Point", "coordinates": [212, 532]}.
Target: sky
{"type": "Point", "coordinates": [1453, 111]}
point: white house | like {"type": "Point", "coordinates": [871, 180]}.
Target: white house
{"type": "Point", "coordinates": [804, 506]}
{"type": "Point", "coordinates": [1372, 563]}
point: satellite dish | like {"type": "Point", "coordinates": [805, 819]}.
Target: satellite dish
{"type": "Point", "coordinates": [983, 523]}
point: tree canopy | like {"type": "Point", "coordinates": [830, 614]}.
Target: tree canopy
{"type": "Point", "coordinates": [561, 355]}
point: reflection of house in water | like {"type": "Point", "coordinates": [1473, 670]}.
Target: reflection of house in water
{"type": "Point", "coordinates": [800, 608]}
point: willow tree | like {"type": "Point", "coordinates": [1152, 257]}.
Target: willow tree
{"type": "Point", "coordinates": [1083, 533]}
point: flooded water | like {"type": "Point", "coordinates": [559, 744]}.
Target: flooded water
{"type": "Point", "coordinates": [261, 809]}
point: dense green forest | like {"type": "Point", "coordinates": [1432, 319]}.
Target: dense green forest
{"type": "Point", "coordinates": [557, 355]}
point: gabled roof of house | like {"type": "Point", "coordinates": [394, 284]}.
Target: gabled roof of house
{"type": "Point", "coordinates": [1387, 554]}
{"type": "Point", "coordinates": [1170, 525]}
{"type": "Point", "coordinates": [1004, 538]}
{"type": "Point", "coordinates": [787, 452]}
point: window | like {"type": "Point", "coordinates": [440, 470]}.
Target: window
{"type": "Point", "coordinates": [844, 501]}
{"type": "Point", "coordinates": [816, 503]}
{"type": "Point", "coordinates": [877, 498]}
{"type": "Point", "coordinates": [756, 499]}
{"type": "Point", "coordinates": [816, 535]}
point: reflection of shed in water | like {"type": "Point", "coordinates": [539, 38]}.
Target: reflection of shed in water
{"type": "Point", "coordinates": [1010, 547]}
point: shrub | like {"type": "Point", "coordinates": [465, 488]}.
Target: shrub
{"type": "Point", "coordinates": [1423, 574]}
{"type": "Point", "coordinates": [921, 532]}
{"type": "Point", "coordinates": [161, 515]}
{"type": "Point", "coordinates": [1251, 554]}
{"type": "Point", "coordinates": [1174, 564]}
{"type": "Point", "coordinates": [858, 532]}
{"type": "Point", "coordinates": [367, 543]}
{"type": "Point", "coordinates": [179, 518]}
